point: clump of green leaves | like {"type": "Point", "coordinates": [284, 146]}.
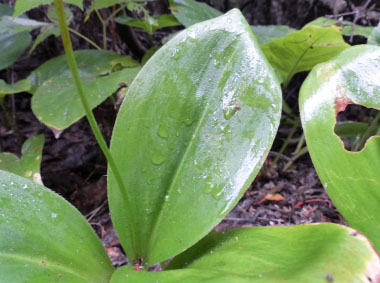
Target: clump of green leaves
{"type": "Point", "coordinates": [194, 129]}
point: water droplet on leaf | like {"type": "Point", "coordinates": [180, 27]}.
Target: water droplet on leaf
{"type": "Point", "coordinates": [158, 158]}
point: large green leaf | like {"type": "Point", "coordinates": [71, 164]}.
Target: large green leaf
{"type": "Point", "coordinates": [302, 50]}
{"type": "Point", "coordinates": [265, 34]}
{"type": "Point", "coordinates": [56, 102]}
{"type": "Point", "coordinates": [351, 179]}
{"type": "Point", "coordinates": [44, 239]}
{"type": "Point", "coordinates": [28, 166]}
{"type": "Point", "coordinates": [22, 6]}
{"type": "Point", "coordinates": [348, 27]}
{"type": "Point", "coordinates": [192, 133]}
{"type": "Point", "coordinates": [304, 253]}
{"type": "Point", "coordinates": [189, 12]}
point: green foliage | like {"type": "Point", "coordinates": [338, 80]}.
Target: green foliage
{"type": "Point", "coordinates": [350, 178]}
{"type": "Point", "coordinates": [217, 110]}
{"type": "Point", "coordinates": [348, 27]}
{"type": "Point", "coordinates": [101, 4]}
{"type": "Point", "coordinates": [20, 86]}
{"type": "Point", "coordinates": [44, 239]}
{"type": "Point", "coordinates": [302, 50]}
{"type": "Point", "coordinates": [268, 254]}
{"type": "Point", "coordinates": [28, 166]}
{"type": "Point", "coordinates": [189, 12]}
{"type": "Point", "coordinates": [14, 36]}
{"type": "Point", "coordinates": [22, 6]}
{"type": "Point", "coordinates": [149, 24]}
{"type": "Point", "coordinates": [103, 73]}
{"type": "Point", "coordinates": [195, 127]}
{"type": "Point", "coordinates": [374, 38]}
{"type": "Point", "coordinates": [265, 34]}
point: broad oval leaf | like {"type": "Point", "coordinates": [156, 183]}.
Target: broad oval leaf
{"type": "Point", "coordinates": [303, 253]}
{"type": "Point", "coordinates": [56, 102]}
{"type": "Point", "coordinates": [350, 178]}
{"type": "Point", "coordinates": [302, 50]}
{"type": "Point", "coordinates": [44, 239]}
{"type": "Point", "coordinates": [28, 166]}
{"type": "Point", "coordinates": [192, 133]}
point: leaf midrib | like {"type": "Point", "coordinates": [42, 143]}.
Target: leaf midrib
{"type": "Point", "coordinates": [179, 167]}
{"type": "Point", "coordinates": [290, 74]}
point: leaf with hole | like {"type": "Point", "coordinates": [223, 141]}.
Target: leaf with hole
{"type": "Point", "coordinates": [56, 102]}
{"type": "Point", "coordinates": [303, 253]}
{"type": "Point", "coordinates": [28, 166]}
{"type": "Point", "coordinates": [350, 178]}
{"type": "Point", "coordinates": [192, 133]}
{"type": "Point", "coordinates": [45, 239]}
{"type": "Point", "coordinates": [302, 50]}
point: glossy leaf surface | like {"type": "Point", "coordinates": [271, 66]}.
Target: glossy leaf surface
{"type": "Point", "coordinates": [189, 12]}
{"type": "Point", "coordinates": [56, 102]}
{"type": "Point", "coordinates": [304, 253]}
{"type": "Point", "coordinates": [302, 50]}
{"type": "Point", "coordinates": [192, 133]}
{"type": "Point", "coordinates": [44, 239]}
{"type": "Point", "coordinates": [21, 6]}
{"type": "Point", "coordinates": [265, 34]}
{"type": "Point", "coordinates": [350, 178]}
{"type": "Point", "coordinates": [346, 26]}
{"type": "Point", "coordinates": [28, 166]}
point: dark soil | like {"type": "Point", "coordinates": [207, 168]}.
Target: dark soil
{"type": "Point", "coordinates": [74, 166]}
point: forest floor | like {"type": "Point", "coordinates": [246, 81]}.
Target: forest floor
{"type": "Point", "coordinates": [73, 165]}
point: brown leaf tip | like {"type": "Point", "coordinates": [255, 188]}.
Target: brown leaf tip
{"type": "Point", "coordinates": [341, 104]}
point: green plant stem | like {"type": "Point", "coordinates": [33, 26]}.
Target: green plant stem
{"type": "Point", "coordinates": [12, 123]}
{"type": "Point", "coordinates": [283, 147]}
{"type": "Point", "coordinates": [85, 38]}
{"type": "Point", "coordinates": [372, 125]}
{"type": "Point", "coordinates": [90, 116]}
{"type": "Point", "coordinates": [300, 144]}
{"type": "Point", "coordinates": [299, 153]}
{"type": "Point", "coordinates": [114, 13]}
{"type": "Point", "coordinates": [104, 27]}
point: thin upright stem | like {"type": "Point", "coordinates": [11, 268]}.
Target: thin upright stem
{"type": "Point", "coordinates": [85, 38]}
{"type": "Point", "coordinates": [371, 128]}
{"type": "Point", "coordinates": [104, 27]}
{"type": "Point", "coordinates": [91, 119]}
{"type": "Point", "coordinates": [283, 147]}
